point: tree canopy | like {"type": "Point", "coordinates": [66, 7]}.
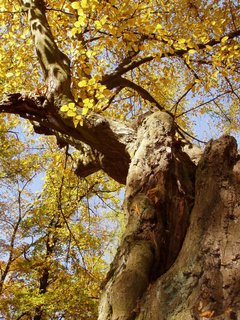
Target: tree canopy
{"type": "Point", "coordinates": [125, 56]}
{"type": "Point", "coordinates": [86, 72]}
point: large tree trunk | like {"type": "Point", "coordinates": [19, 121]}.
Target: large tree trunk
{"type": "Point", "coordinates": [179, 257]}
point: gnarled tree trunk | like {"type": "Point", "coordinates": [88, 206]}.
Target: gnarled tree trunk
{"type": "Point", "coordinates": [179, 257]}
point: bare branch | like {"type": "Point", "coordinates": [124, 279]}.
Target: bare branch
{"type": "Point", "coordinates": [202, 104]}
{"type": "Point", "coordinates": [122, 69]}
{"type": "Point", "coordinates": [232, 89]}
{"type": "Point", "coordinates": [181, 130]}
{"type": "Point", "coordinates": [181, 98]}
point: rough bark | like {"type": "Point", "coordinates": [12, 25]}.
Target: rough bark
{"type": "Point", "coordinates": [158, 200]}
{"type": "Point", "coordinates": [157, 274]}
{"type": "Point", "coordinates": [204, 282]}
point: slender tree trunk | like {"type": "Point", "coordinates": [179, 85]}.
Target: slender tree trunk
{"type": "Point", "coordinates": [179, 257]}
{"type": "Point", "coordinates": [44, 279]}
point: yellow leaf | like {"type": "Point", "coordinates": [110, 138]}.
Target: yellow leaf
{"type": "Point", "coordinates": [82, 83]}
{"type": "Point", "coordinates": [204, 39]}
{"type": "Point", "coordinates": [208, 47]}
{"type": "Point", "coordinates": [76, 5]}
{"type": "Point", "coordinates": [75, 122]}
{"type": "Point", "coordinates": [74, 31]}
{"type": "Point", "coordinates": [215, 74]}
{"type": "Point", "coordinates": [88, 103]}
{"type": "Point", "coordinates": [64, 108]}
{"type": "Point", "coordinates": [84, 111]}
{"type": "Point", "coordinates": [98, 25]}
{"type": "Point", "coordinates": [71, 113]}
{"type": "Point", "coordinates": [191, 51]}
{"type": "Point", "coordinates": [100, 95]}
{"type": "Point", "coordinates": [225, 72]}
{"type": "Point", "coordinates": [71, 105]}
{"type": "Point", "coordinates": [181, 41]}
{"type": "Point", "coordinates": [91, 82]}
{"type": "Point", "coordinates": [90, 54]}
{"type": "Point", "coordinates": [84, 4]}
{"type": "Point", "coordinates": [224, 39]}
{"type": "Point", "coordinates": [102, 88]}
{"type": "Point", "coordinates": [159, 26]}
{"type": "Point", "coordinates": [103, 20]}
{"type": "Point", "coordinates": [80, 22]}
{"type": "Point", "coordinates": [207, 86]}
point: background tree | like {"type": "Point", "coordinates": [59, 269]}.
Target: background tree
{"type": "Point", "coordinates": [52, 243]}
{"type": "Point", "coordinates": [103, 65]}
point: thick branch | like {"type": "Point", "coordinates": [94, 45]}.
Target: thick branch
{"type": "Point", "coordinates": [108, 139]}
{"type": "Point", "coordinates": [122, 69]}
{"type": "Point", "coordinates": [54, 63]}
{"type": "Point", "coordinates": [120, 82]}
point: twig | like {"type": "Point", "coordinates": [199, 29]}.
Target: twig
{"type": "Point", "coordinates": [202, 104]}
{"type": "Point", "coordinates": [181, 98]}
{"type": "Point", "coordinates": [188, 134]}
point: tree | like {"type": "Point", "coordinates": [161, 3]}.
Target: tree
{"type": "Point", "coordinates": [52, 244]}
{"type": "Point", "coordinates": [115, 82]}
